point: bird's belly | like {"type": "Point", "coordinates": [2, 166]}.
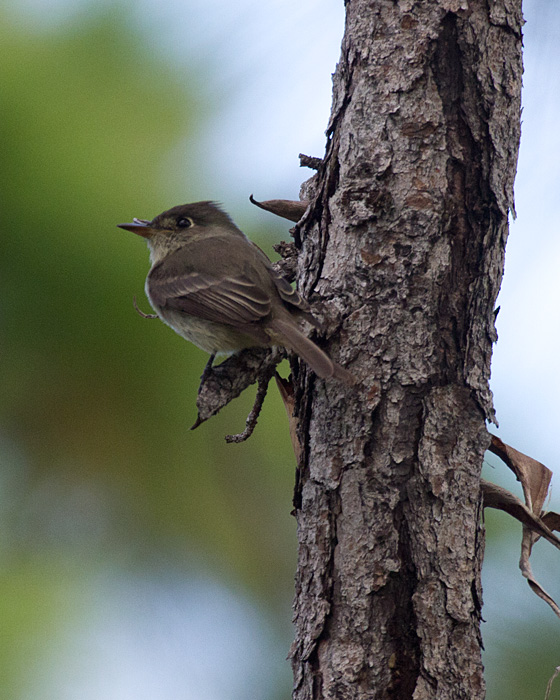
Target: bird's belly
{"type": "Point", "coordinates": [207, 335]}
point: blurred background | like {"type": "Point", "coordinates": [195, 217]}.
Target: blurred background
{"type": "Point", "coordinates": [138, 559]}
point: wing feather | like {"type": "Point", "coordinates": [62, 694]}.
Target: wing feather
{"type": "Point", "coordinates": [229, 300]}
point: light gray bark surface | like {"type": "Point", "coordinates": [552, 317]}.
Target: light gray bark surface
{"type": "Point", "coordinates": [404, 244]}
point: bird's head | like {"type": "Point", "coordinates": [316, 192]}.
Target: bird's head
{"type": "Point", "coordinates": [173, 228]}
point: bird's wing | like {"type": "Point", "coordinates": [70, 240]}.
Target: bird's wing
{"type": "Point", "coordinates": [292, 297]}
{"type": "Point", "coordinates": [233, 300]}
{"type": "Point", "coordinates": [287, 292]}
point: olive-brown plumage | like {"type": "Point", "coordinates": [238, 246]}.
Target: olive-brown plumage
{"type": "Point", "coordinates": [216, 288]}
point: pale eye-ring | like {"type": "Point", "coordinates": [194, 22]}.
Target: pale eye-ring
{"type": "Point", "coordinates": [185, 222]}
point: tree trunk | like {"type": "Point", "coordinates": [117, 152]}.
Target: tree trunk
{"type": "Point", "coordinates": [404, 243]}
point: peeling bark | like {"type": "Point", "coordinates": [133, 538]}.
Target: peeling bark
{"type": "Point", "coordinates": [404, 244]}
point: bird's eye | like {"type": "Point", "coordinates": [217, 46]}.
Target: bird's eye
{"type": "Point", "coordinates": [185, 222]}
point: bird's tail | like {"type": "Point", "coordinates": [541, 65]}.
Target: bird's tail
{"type": "Point", "coordinates": [289, 335]}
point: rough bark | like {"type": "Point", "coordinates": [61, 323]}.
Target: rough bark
{"type": "Point", "coordinates": [404, 242]}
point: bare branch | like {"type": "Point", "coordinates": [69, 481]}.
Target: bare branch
{"type": "Point", "coordinates": [310, 162]}
{"type": "Point", "coordinates": [252, 418]}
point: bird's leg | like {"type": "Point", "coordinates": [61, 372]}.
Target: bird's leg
{"type": "Point", "coordinates": [207, 371]}
{"type": "Point", "coordinates": [139, 311]}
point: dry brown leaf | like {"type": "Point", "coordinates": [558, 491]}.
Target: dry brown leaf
{"type": "Point", "coordinates": [502, 499]}
{"type": "Point", "coordinates": [534, 476]}
{"type": "Point", "coordinates": [551, 520]}
{"type": "Point", "coordinates": [550, 682]}
{"type": "Point", "coordinates": [289, 209]}
{"type": "Point", "coordinates": [535, 480]}
{"type": "Point", "coordinates": [525, 566]}
{"type": "Point", "coordinates": [286, 389]}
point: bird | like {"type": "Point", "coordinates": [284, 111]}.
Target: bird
{"type": "Point", "coordinates": [218, 290]}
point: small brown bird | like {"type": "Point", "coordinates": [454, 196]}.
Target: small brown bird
{"type": "Point", "coordinates": [216, 288]}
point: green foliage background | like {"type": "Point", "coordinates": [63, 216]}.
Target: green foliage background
{"type": "Point", "coordinates": [99, 468]}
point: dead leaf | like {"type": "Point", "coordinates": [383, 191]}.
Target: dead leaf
{"type": "Point", "coordinates": [286, 389]}
{"type": "Point", "coordinates": [534, 476]}
{"type": "Point", "coordinates": [289, 209]}
{"type": "Point", "coordinates": [551, 520]}
{"type": "Point", "coordinates": [502, 499]}
{"type": "Point", "coordinates": [535, 481]}
{"type": "Point", "coordinates": [549, 685]}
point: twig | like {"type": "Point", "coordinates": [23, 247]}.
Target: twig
{"type": "Point", "coordinates": [252, 418]}
{"type": "Point", "coordinates": [310, 162]}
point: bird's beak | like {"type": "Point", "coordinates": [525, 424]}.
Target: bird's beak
{"type": "Point", "coordinates": [142, 227]}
